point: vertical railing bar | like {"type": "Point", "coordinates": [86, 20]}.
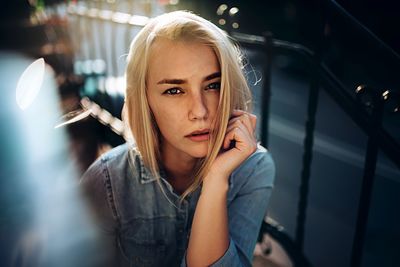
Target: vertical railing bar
{"type": "Point", "coordinates": [307, 160]}
{"type": "Point", "coordinates": [266, 92]}
{"type": "Point", "coordinates": [309, 141]}
{"type": "Point", "coordinates": [114, 30]}
{"type": "Point", "coordinates": [85, 37]}
{"type": "Point", "coordinates": [101, 26]}
{"type": "Point", "coordinates": [95, 32]}
{"type": "Point", "coordinates": [89, 33]}
{"type": "Point", "coordinates": [128, 29]}
{"type": "Point", "coordinates": [367, 186]}
{"type": "Point", "coordinates": [310, 131]}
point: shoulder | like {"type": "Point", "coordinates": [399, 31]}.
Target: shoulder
{"type": "Point", "coordinates": [120, 152]}
{"type": "Point", "coordinates": [257, 171]}
{"type": "Point", "coordinates": [113, 163]}
{"type": "Point", "coordinates": [105, 182]}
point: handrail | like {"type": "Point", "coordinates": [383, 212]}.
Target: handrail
{"type": "Point", "coordinates": [352, 21]}
{"type": "Point", "coordinates": [337, 91]}
{"type": "Point", "coordinates": [371, 124]}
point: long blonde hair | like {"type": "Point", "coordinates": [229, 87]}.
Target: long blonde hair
{"type": "Point", "coordinates": [234, 92]}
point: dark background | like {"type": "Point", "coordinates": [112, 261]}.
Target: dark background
{"type": "Point", "coordinates": [357, 49]}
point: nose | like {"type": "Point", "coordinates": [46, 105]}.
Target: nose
{"type": "Point", "coordinates": [198, 108]}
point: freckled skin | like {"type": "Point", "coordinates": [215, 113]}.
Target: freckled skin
{"type": "Point", "coordinates": [192, 105]}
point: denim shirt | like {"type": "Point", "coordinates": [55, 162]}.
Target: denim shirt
{"type": "Point", "coordinates": [144, 225]}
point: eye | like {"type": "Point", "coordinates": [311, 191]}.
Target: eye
{"type": "Point", "coordinates": [214, 86]}
{"type": "Point", "coordinates": [172, 91]}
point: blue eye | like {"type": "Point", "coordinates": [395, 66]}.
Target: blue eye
{"type": "Point", "coordinates": [215, 86]}
{"type": "Point", "coordinates": [172, 91]}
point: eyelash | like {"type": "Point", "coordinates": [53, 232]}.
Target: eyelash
{"type": "Point", "coordinates": [215, 85]}
{"type": "Point", "coordinates": [169, 91]}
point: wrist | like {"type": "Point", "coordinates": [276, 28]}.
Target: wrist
{"type": "Point", "coordinates": [216, 183]}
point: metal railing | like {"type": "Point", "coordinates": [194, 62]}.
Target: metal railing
{"type": "Point", "coordinates": [370, 121]}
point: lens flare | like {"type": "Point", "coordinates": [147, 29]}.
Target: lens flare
{"type": "Point", "coordinates": [29, 83]}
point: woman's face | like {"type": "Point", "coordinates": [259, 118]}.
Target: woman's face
{"type": "Point", "coordinates": [183, 92]}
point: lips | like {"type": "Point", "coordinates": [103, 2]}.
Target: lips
{"type": "Point", "coordinates": [198, 132]}
{"type": "Point", "coordinates": [199, 135]}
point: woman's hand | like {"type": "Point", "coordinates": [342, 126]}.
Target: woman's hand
{"type": "Point", "coordinates": [238, 145]}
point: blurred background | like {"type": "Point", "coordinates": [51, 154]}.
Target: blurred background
{"type": "Point", "coordinates": [326, 85]}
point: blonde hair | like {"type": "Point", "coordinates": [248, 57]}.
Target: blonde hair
{"type": "Point", "coordinates": [234, 92]}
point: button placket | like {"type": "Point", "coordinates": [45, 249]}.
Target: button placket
{"type": "Point", "coordinates": [181, 225]}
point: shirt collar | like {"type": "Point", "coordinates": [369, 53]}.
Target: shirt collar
{"type": "Point", "coordinates": [145, 174]}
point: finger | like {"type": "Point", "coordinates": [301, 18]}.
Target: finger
{"type": "Point", "coordinates": [243, 119]}
{"type": "Point", "coordinates": [250, 116]}
{"type": "Point", "coordinates": [234, 134]}
{"type": "Point", "coordinates": [238, 112]}
{"type": "Point", "coordinates": [249, 136]}
{"type": "Point", "coordinates": [253, 120]}
{"type": "Point", "coordinates": [250, 121]}
{"type": "Point", "coordinates": [236, 123]}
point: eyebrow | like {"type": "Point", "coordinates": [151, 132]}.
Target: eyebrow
{"type": "Point", "coordinates": [182, 81]}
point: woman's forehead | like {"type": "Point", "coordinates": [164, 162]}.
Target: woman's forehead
{"type": "Point", "coordinates": [163, 44]}
{"type": "Point", "coordinates": [170, 58]}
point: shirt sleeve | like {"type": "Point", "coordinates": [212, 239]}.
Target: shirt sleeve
{"type": "Point", "coordinates": [247, 209]}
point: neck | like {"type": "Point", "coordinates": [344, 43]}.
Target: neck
{"type": "Point", "coordinates": [179, 170]}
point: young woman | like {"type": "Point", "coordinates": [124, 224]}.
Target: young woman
{"type": "Point", "coordinates": [194, 188]}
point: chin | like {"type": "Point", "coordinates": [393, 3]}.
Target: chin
{"type": "Point", "coordinates": [199, 152]}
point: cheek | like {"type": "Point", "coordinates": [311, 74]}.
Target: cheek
{"type": "Point", "coordinates": [213, 103]}
{"type": "Point", "coordinates": [158, 109]}
{"type": "Point", "coordinates": [168, 118]}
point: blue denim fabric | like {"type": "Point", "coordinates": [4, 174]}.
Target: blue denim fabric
{"type": "Point", "coordinates": [145, 225]}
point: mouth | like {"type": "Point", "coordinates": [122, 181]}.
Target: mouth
{"type": "Point", "coordinates": [199, 136]}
